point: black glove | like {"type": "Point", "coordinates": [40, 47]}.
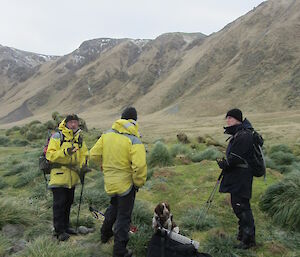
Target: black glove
{"type": "Point", "coordinates": [136, 188]}
{"type": "Point", "coordinates": [223, 164]}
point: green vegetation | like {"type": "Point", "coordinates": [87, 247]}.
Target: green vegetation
{"type": "Point", "coordinates": [159, 156]}
{"type": "Point", "coordinates": [196, 219]}
{"type": "Point", "coordinates": [185, 185]}
{"type": "Point", "coordinates": [211, 153]}
{"type": "Point", "coordinates": [282, 201]}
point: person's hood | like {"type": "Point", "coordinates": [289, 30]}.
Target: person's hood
{"type": "Point", "coordinates": [68, 133]}
{"type": "Point", "coordinates": [126, 127]}
{"type": "Point", "coordinates": [234, 129]}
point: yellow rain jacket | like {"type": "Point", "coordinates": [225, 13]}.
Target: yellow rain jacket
{"type": "Point", "coordinates": [123, 157]}
{"type": "Point", "coordinates": [67, 174]}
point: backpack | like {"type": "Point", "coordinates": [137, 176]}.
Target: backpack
{"type": "Point", "coordinates": [258, 163]}
{"type": "Point", "coordinates": [44, 164]}
{"type": "Point", "coordinates": [161, 245]}
{"type": "Point", "coordinates": [257, 160]}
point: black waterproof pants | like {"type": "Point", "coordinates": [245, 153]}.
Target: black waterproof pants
{"type": "Point", "coordinates": [242, 209]}
{"type": "Point", "coordinates": [62, 201]}
{"type": "Point", "coordinates": [119, 213]}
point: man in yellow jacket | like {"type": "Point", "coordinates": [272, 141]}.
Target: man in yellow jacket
{"type": "Point", "coordinates": [122, 156]}
{"type": "Point", "coordinates": [67, 153]}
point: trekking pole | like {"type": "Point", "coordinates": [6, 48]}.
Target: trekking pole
{"type": "Point", "coordinates": [80, 199]}
{"type": "Point", "coordinates": [212, 194]}
{"type": "Point", "coordinates": [96, 213]}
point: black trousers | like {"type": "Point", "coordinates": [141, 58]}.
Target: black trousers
{"type": "Point", "coordinates": [119, 213]}
{"type": "Point", "coordinates": [62, 201]}
{"type": "Point", "coordinates": [242, 209]}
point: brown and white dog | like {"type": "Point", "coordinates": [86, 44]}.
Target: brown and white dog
{"type": "Point", "coordinates": [163, 218]}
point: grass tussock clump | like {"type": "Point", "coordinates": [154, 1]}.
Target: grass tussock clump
{"type": "Point", "coordinates": [4, 245]}
{"type": "Point", "coordinates": [47, 247]}
{"type": "Point", "coordinates": [26, 178]}
{"type": "Point", "coordinates": [180, 149]}
{"type": "Point", "coordinates": [279, 148]}
{"type": "Point", "coordinates": [282, 202]}
{"type": "Point", "coordinates": [159, 156]}
{"type": "Point", "coordinates": [195, 219]}
{"type": "Point", "coordinates": [211, 153]}
{"type": "Point", "coordinates": [12, 213]}
{"type": "Point", "coordinates": [221, 245]}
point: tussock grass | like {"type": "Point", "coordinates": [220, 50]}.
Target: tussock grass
{"type": "Point", "coordinates": [13, 213]}
{"type": "Point", "coordinates": [139, 241]}
{"type": "Point", "coordinates": [195, 219]}
{"type": "Point", "coordinates": [26, 178]}
{"type": "Point", "coordinates": [159, 156]}
{"type": "Point", "coordinates": [211, 153]}
{"type": "Point", "coordinates": [221, 245]}
{"type": "Point", "coordinates": [4, 245]}
{"type": "Point", "coordinates": [282, 201]}
{"type": "Point", "coordinates": [2, 184]}
{"type": "Point", "coordinates": [180, 149]}
{"type": "Point", "coordinates": [279, 148]}
{"type": "Point", "coordinates": [47, 247]}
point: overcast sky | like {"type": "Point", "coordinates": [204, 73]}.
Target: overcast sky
{"type": "Point", "coordinates": [58, 27]}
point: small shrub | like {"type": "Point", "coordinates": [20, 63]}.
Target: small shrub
{"type": "Point", "coordinates": [23, 130]}
{"type": "Point", "coordinates": [282, 158]}
{"type": "Point", "coordinates": [211, 153]}
{"type": "Point", "coordinates": [274, 201]}
{"type": "Point", "coordinates": [279, 148]}
{"type": "Point", "coordinates": [195, 219]}
{"type": "Point", "coordinates": [43, 246]}
{"type": "Point", "coordinates": [180, 149]}
{"type": "Point", "coordinates": [270, 163]}
{"type": "Point", "coordinates": [4, 141]}
{"type": "Point", "coordinates": [34, 122]}
{"type": "Point", "coordinates": [159, 156]}
{"type": "Point", "coordinates": [50, 124]}
{"type": "Point", "coordinates": [13, 213]}
{"type": "Point", "coordinates": [19, 142]}
{"type": "Point", "coordinates": [31, 136]}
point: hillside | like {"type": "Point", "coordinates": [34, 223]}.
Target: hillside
{"type": "Point", "coordinates": [252, 63]}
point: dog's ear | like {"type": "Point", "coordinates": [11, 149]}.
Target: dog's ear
{"type": "Point", "coordinates": [158, 209]}
{"type": "Point", "coordinates": [168, 206]}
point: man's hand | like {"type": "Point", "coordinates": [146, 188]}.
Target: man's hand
{"type": "Point", "coordinates": [72, 150]}
{"type": "Point", "coordinates": [222, 163]}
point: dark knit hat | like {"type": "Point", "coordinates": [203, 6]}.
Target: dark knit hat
{"type": "Point", "coordinates": [235, 113]}
{"type": "Point", "coordinates": [129, 113]}
{"type": "Point", "coordinates": [71, 117]}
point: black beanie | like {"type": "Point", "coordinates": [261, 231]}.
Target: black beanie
{"type": "Point", "coordinates": [71, 117]}
{"type": "Point", "coordinates": [235, 113]}
{"type": "Point", "coordinates": [129, 113]}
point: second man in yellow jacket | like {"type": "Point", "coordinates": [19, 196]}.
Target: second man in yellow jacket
{"type": "Point", "coordinates": [122, 156]}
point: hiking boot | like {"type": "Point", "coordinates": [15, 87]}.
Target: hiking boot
{"type": "Point", "coordinates": [63, 236]}
{"type": "Point", "coordinates": [105, 238]}
{"type": "Point", "coordinates": [71, 231]}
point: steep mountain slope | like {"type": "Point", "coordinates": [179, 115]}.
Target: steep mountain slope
{"type": "Point", "coordinates": [252, 63]}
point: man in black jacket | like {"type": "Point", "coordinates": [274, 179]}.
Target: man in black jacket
{"type": "Point", "coordinates": [237, 174]}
